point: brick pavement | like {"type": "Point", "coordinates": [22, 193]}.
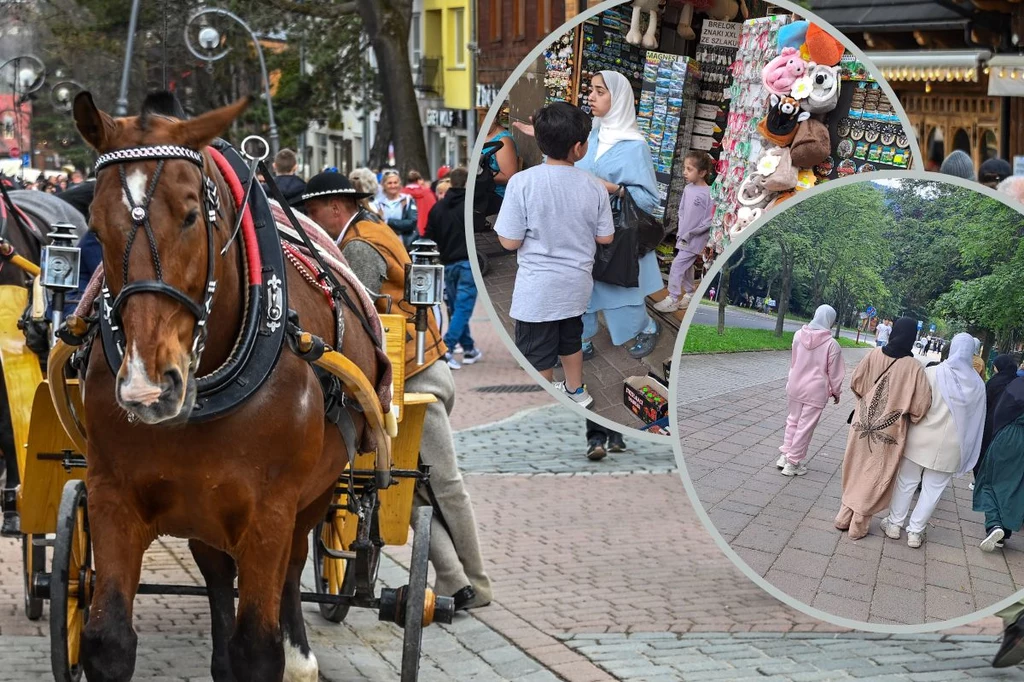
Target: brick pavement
{"type": "Point", "coordinates": [782, 527]}
{"type": "Point", "coordinates": [605, 373]}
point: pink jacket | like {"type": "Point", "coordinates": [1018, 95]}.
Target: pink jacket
{"type": "Point", "coordinates": [816, 368]}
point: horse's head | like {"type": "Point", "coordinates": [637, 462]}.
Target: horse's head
{"type": "Point", "coordinates": [154, 187]}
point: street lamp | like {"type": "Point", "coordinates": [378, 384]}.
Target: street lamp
{"type": "Point", "coordinates": [63, 94]}
{"type": "Point", "coordinates": [28, 75]}
{"type": "Point", "coordinates": [210, 39]}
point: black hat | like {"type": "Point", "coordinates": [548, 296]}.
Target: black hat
{"type": "Point", "coordinates": [331, 184]}
{"type": "Point", "coordinates": [994, 170]}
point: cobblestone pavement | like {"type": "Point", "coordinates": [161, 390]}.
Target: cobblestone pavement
{"type": "Point", "coordinates": [605, 373]}
{"type": "Point", "coordinates": [782, 527]}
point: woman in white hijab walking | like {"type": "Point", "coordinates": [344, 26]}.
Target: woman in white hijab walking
{"type": "Point", "coordinates": [945, 442]}
{"type": "Point", "coordinates": [816, 372]}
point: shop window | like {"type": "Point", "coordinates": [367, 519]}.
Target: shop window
{"type": "Point", "coordinates": [414, 38]}
{"type": "Point", "coordinates": [497, 6]}
{"type": "Point", "coordinates": [459, 32]}
{"type": "Point", "coordinates": [961, 140]}
{"type": "Point", "coordinates": [519, 18]}
{"type": "Point", "coordinates": [544, 26]}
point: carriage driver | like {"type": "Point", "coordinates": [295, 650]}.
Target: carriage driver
{"type": "Point", "coordinates": [378, 257]}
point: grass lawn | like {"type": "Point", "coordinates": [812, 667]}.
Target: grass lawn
{"type": "Point", "coordinates": [704, 338]}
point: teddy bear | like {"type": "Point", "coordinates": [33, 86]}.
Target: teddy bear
{"type": "Point", "coordinates": [650, 38]}
{"type": "Point", "coordinates": [744, 216]}
{"type": "Point", "coordinates": [823, 94]}
{"type": "Point", "coordinates": [781, 73]}
{"type": "Point", "coordinates": [784, 115]}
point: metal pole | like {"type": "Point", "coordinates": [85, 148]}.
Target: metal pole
{"type": "Point", "coordinates": [122, 98]}
{"type": "Point", "coordinates": [274, 143]}
{"type": "Point", "coordinates": [473, 49]}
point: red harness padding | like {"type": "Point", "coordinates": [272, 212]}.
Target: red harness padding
{"type": "Point", "coordinates": [309, 271]}
{"type": "Point", "coordinates": [252, 249]}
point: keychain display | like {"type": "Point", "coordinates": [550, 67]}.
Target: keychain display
{"type": "Point", "coordinates": [558, 69]}
{"type": "Point", "coordinates": [605, 49]}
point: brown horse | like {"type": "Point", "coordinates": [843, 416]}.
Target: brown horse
{"type": "Point", "coordinates": [245, 488]}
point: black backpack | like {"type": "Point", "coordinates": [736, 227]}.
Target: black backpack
{"type": "Point", "coordinates": [486, 202]}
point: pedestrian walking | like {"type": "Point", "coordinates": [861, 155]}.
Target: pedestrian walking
{"type": "Point", "coordinates": [695, 212]}
{"type": "Point", "coordinates": [892, 392]}
{"type": "Point", "coordinates": [959, 164]}
{"type": "Point", "coordinates": [378, 258]}
{"type": "Point", "coordinates": [1006, 371]}
{"type": "Point", "coordinates": [999, 486]}
{"type": "Point", "coordinates": [602, 440]}
{"type": "Point", "coordinates": [882, 332]}
{"type": "Point", "coordinates": [554, 215]}
{"type": "Point", "coordinates": [816, 372]}
{"type": "Point", "coordinates": [946, 441]}
{"type": "Point", "coordinates": [446, 225]}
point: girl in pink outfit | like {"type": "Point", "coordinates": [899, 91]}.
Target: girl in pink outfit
{"type": "Point", "coordinates": [695, 213]}
{"type": "Point", "coordinates": [816, 373]}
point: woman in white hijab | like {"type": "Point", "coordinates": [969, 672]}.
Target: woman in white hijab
{"type": "Point", "coordinates": [816, 372]}
{"type": "Point", "coordinates": [945, 442]}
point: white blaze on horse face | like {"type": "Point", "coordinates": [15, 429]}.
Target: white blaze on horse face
{"type": "Point", "coordinates": [297, 667]}
{"type": "Point", "coordinates": [137, 388]}
{"type": "Point", "coordinates": [136, 181]}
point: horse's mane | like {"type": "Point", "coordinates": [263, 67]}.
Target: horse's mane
{"type": "Point", "coordinates": [164, 104]}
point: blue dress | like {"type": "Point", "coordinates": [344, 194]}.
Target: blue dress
{"type": "Point", "coordinates": [625, 313]}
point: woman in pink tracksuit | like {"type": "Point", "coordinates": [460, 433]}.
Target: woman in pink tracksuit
{"type": "Point", "coordinates": [816, 373]}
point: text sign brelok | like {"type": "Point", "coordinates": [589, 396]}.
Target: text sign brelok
{"type": "Point", "coordinates": [724, 33]}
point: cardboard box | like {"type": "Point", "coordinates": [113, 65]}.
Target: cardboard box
{"type": "Point", "coordinates": [647, 409]}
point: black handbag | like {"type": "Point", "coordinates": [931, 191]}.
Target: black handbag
{"type": "Point", "coordinates": [617, 263]}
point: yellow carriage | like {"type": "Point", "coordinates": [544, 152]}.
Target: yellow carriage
{"type": "Point", "coordinates": [372, 505]}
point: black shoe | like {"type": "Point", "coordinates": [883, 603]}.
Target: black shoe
{"type": "Point", "coordinates": [464, 597]}
{"type": "Point", "coordinates": [615, 442]}
{"type": "Point", "coordinates": [1012, 650]}
{"type": "Point", "coordinates": [588, 352]}
{"type": "Point", "coordinates": [11, 527]}
{"type": "Point", "coordinates": [595, 450]}
{"type": "Point", "coordinates": [643, 345]}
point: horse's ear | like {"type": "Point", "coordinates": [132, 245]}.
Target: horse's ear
{"type": "Point", "coordinates": [97, 127]}
{"type": "Point", "coordinates": [202, 130]}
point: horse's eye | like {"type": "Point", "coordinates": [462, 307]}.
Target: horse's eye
{"type": "Point", "coordinates": [191, 218]}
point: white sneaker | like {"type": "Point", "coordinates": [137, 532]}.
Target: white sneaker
{"type": "Point", "coordinates": [970, 486]}
{"type": "Point", "coordinates": [684, 301]}
{"type": "Point", "coordinates": [781, 463]}
{"type": "Point", "coordinates": [993, 541]}
{"type": "Point", "coordinates": [452, 362]}
{"type": "Point", "coordinates": [457, 349]}
{"type": "Point", "coordinates": [915, 540]}
{"type": "Point", "coordinates": [890, 529]}
{"type": "Point", "coordinates": [669, 304]}
{"type": "Point", "coordinates": [579, 396]}
{"type": "Point", "coordinates": [471, 356]}
{"type": "Point", "coordinates": [794, 469]}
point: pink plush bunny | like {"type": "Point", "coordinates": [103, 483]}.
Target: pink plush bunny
{"type": "Point", "coordinates": [780, 73]}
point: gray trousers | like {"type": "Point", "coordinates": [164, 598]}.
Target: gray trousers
{"type": "Point", "coordinates": [455, 556]}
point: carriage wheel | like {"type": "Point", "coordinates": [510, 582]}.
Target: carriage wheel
{"type": "Point", "coordinates": [331, 576]}
{"type": "Point", "coordinates": [70, 583]}
{"type": "Point", "coordinates": [415, 596]}
{"type": "Point", "coordinates": [33, 560]}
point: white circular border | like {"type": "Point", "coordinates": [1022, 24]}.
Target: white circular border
{"type": "Point", "coordinates": [474, 162]}
{"type": "Point", "coordinates": [677, 445]}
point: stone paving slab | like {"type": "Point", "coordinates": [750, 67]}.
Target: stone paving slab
{"type": "Point", "coordinates": [794, 657]}
{"type": "Point", "coordinates": [782, 527]}
{"type": "Point", "coordinates": [605, 373]}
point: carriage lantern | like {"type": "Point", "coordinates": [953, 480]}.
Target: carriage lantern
{"type": "Point", "coordinates": [60, 268]}
{"type": "Point", "coordinates": [424, 287]}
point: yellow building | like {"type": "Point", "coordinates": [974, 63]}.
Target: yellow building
{"type": "Point", "coordinates": [446, 32]}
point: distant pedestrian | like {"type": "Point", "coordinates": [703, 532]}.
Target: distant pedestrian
{"type": "Point", "coordinates": [1000, 481]}
{"type": "Point", "coordinates": [420, 190]}
{"type": "Point", "coordinates": [291, 185]}
{"type": "Point", "coordinates": [993, 171]}
{"type": "Point", "coordinates": [1006, 371]}
{"type": "Point", "coordinates": [882, 332]}
{"type": "Point", "coordinates": [602, 440]}
{"type": "Point", "coordinates": [958, 164]}
{"type": "Point", "coordinates": [816, 372]}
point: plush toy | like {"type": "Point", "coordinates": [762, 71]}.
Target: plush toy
{"type": "Point", "coordinates": [752, 192]}
{"type": "Point", "coordinates": [811, 145]}
{"type": "Point", "coordinates": [824, 89]}
{"type": "Point", "coordinates": [823, 48]}
{"type": "Point", "coordinates": [782, 177]}
{"type": "Point", "coordinates": [744, 216]}
{"type": "Point", "coordinates": [779, 74]}
{"type": "Point", "coordinates": [649, 39]}
{"type": "Point", "coordinates": [792, 35]}
{"type": "Point", "coordinates": [779, 126]}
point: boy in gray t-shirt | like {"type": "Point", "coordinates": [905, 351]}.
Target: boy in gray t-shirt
{"type": "Point", "coordinates": [555, 215]}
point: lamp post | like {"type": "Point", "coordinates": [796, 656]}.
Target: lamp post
{"type": "Point", "coordinates": [29, 75]}
{"type": "Point", "coordinates": [63, 94]}
{"type": "Point", "coordinates": [210, 39]}
{"type": "Point", "coordinates": [121, 108]}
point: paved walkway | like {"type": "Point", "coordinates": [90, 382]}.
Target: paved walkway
{"type": "Point", "coordinates": [605, 373]}
{"type": "Point", "coordinates": [782, 527]}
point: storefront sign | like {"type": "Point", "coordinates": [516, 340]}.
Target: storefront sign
{"type": "Point", "coordinates": [485, 95]}
{"type": "Point", "coordinates": [723, 33]}
{"type": "Point", "coordinates": [701, 127]}
{"type": "Point", "coordinates": [446, 118]}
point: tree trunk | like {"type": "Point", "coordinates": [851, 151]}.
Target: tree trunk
{"type": "Point", "coordinates": [379, 150]}
{"type": "Point", "coordinates": [386, 22]}
{"type": "Point", "coordinates": [785, 289]}
{"type": "Point", "coordinates": [723, 297]}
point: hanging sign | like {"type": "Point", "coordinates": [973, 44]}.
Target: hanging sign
{"type": "Point", "coordinates": [722, 33]}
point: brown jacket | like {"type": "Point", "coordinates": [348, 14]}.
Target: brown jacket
{"type": "Point", "coordinates": [386, 243]}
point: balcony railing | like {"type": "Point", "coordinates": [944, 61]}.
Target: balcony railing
{"type": "Point", "coordinates": [430, 76]}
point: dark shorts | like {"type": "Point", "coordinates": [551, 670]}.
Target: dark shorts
{"type": "Point", "coordinates": [543, 342]}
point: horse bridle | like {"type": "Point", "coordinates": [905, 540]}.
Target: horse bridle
{"type": "Point", "coordinates": [140, 218]}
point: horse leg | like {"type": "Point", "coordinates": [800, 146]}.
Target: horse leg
{"type": "Point", "coordinates": [119, 539]}
{"type": "Point", "coordinates": [218, 570]}
{"type": "Point", "coordinates": [256, 647]}
{"type": "Point", "coordinates": [299, 662]}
